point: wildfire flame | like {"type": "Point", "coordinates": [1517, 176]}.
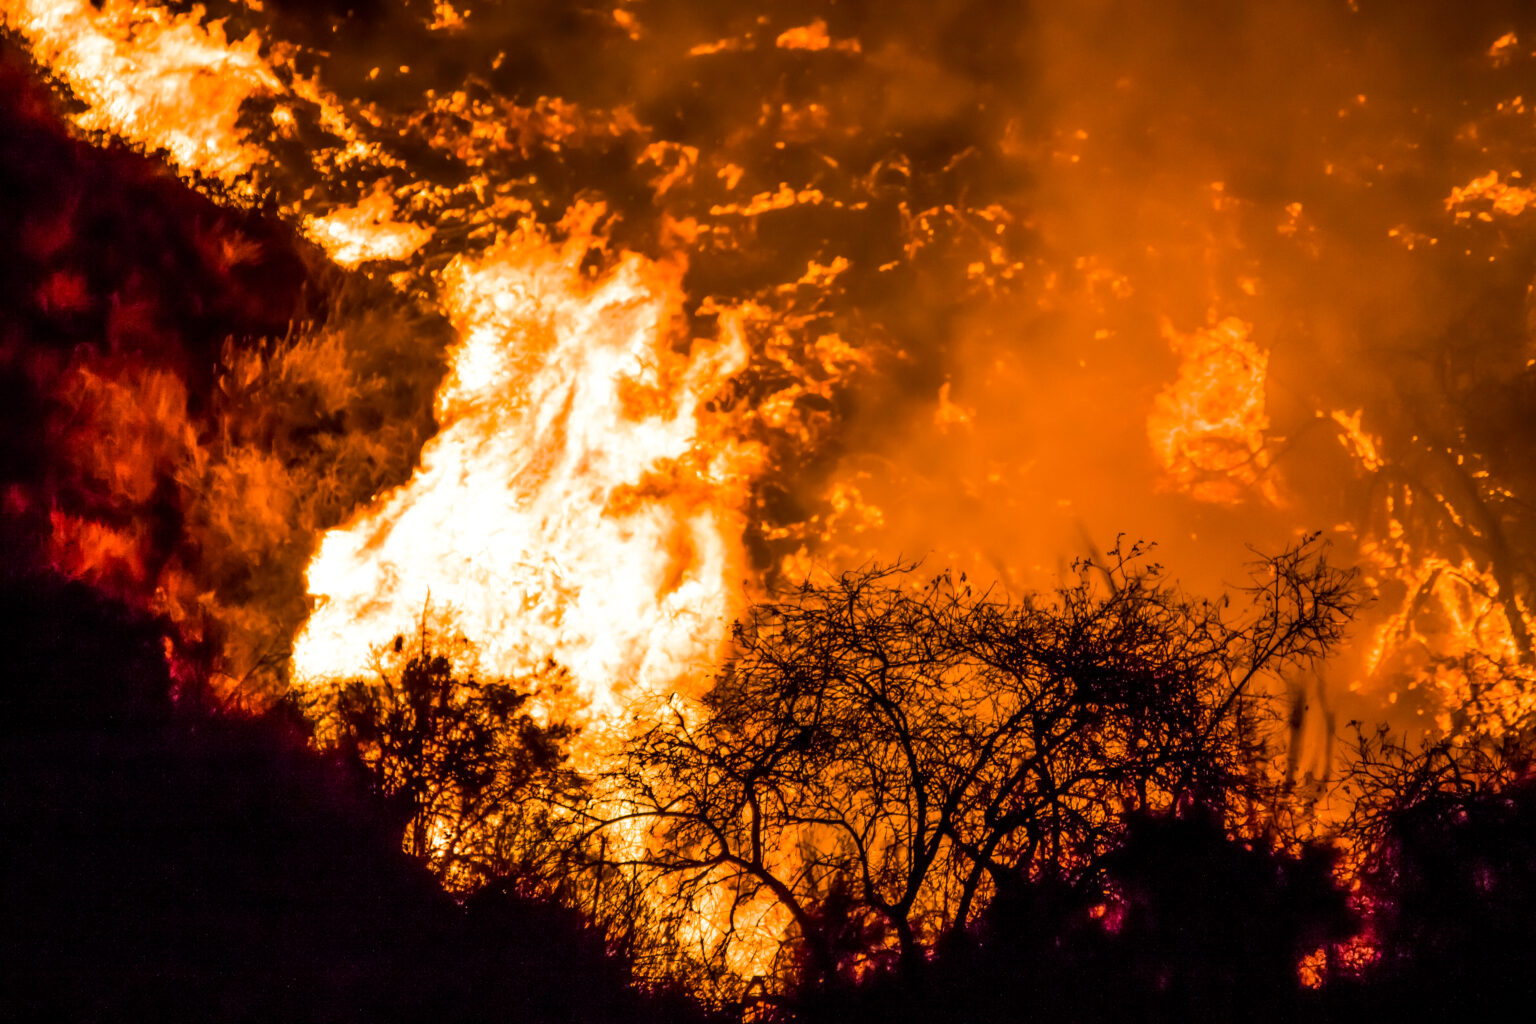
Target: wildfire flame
{"type": "Point", "coordinates": [644, 413]}
{"type": "Point", "coordinates": [586, 498]}
{"type": "Point", "coordinates": [366, 231]}
{"type": "Point", "coordinates": [163, 80]}
{"type": "Point", "coordinates": [1207, 427]}
{"type": "Point", "coordinates": [580, 503]}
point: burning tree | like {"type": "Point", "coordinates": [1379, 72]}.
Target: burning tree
{"type": "Point", "coordinates": [880, 754]}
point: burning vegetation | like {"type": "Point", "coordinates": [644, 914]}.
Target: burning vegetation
{"type": "Point", "coordinates": [540, 407]}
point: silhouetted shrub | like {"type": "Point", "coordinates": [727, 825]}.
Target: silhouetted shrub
{"type": "Point", "coordinates": [1446, 839]}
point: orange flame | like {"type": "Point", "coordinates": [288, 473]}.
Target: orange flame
{"type": "Point", "coordinates": [1454, 634]}
{"type": "Point", "coordinates": [580, 501]}
{"type": "Point", "coordinates": [1207, 427]}
{"type": "Point", "coordinates": [366, 231]}
{"type": "Point", "coordinates": [159, 79]}
{"type": "Point", "coordinates": [585, 498]}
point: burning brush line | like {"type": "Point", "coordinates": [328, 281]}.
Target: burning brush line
{"type": "Point", "coordinates": [687, 305]}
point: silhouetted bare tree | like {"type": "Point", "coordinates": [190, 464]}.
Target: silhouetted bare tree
{"type": "Point", "coordinates": [880, 752]}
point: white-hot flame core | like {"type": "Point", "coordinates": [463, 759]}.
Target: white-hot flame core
{"type": "Point", "coordinates": [580, 503]}
{"type": "Point", "coordinates": [575, 504]}
{"type": "Point", "coordinates": [365, 231]}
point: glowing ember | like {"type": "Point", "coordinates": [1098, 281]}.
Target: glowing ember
{"type": "Point", "coordinates": [1501, 197]}
{"type": "Point", "coordinates": [1365, 448]}
{"type": "Point", "coordinates": [813, 37]}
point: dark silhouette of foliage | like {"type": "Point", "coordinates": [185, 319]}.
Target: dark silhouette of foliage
{"type": "Point", "coordinates": [1177, 922]}
{"type": "Point", "coordinates": [880, 755]}
{"type": "Point", "coordinates": [472, 774]}
{"type": "Point", "coordinates": [1445, 836]}
{"type": "Point", "coordinates": [172, 857]}
{"type": "Point", "coordinates": [1203, 926]}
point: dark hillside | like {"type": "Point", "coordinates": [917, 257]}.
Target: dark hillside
{"type": "Point", "coordinates": [166, 859]}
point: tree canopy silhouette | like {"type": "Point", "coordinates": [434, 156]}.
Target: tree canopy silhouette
{"type": "Point", "coordinates": [1178, 921]}
{"type": "Point", "coordinates": [880, 754]}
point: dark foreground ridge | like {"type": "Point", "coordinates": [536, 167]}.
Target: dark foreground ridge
{"type": "Point", "coordinates": [170, 860]}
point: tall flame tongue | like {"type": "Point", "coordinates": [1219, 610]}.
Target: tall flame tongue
{"type": "Point", "coordinates": [579, 502]}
